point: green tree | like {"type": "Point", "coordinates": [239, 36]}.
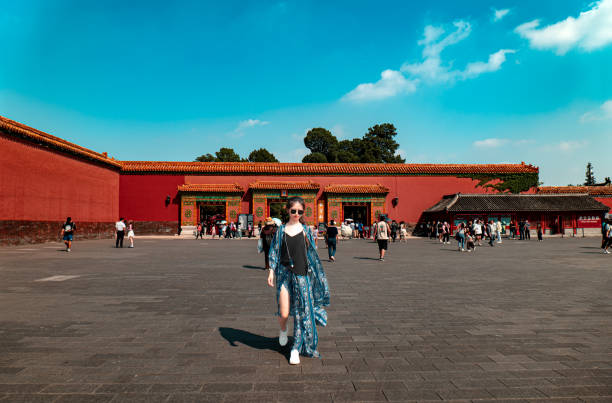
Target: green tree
{"type": "Point", "coordinates": [206, 158]}
{"type": "Point", "coordinates": [590, 176]}
{"type": "Point", "coordinates": [315, 157]}
{"type": "Point", "coordinates": [320, 140]}
{"type": "Point", "coordinates": [348, 151]}
{"type": "Point", "coordinates": [227, 155]}
{"type": "Point", "coordinates": [382, 145]}
{"type": "Point", "coordinates": [262, 155]}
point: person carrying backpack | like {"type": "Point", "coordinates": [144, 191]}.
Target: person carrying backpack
{"type": "Point", "coordinates": [68, 229]}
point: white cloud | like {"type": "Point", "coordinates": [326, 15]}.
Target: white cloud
{"type": "Point", "coordinates": [568, 146]}
{"type": "Point", "coordinates": [391, 83]}
{"type": "Point", "coordinates": [496, 143]}
{"type": "Point", "coordinates": [499, 14]}
{"type": "Point", "coordinates": [431, 69]}
{"type": "Point", "coordinates": [490, 143]}
{"type": "Point", "coordinates": [603, 113]}
{"type": "Point", "coordinates": [591, 30]}
{"type": "Point", "coordinates": [493, 64]}
{"type": "Point", "coordinates": [251, 123]}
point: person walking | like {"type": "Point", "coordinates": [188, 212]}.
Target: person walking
{"type": "Point", "coordinates": [130, 234]}
{"type": "Point", "coordinates": [239, 229]}
{"type": "Point", "coordinates": [539, 229]}
{"type": "Point", "coordinates": [527, 230]}
{"type": "Point", "coordinates": [498, 230]}
{"type": "Point", "coordinates": [381, 232]}
{"type": "Point", "coordinates": [446, 237]}
{"type": "Point", "coordinates": [478, 232]}
{"type": "Point", "coordinates": [332, 240]}
{"type": "Point", "coordinates": [301, 285]}
{"type": "Point", "coordinates": [460, 236]}
{"type": "Point", "coordinates": [491, 227]}
{"type": "Point", "coordinates": [394, 229]}
{"type": "Point", "coordinates": [199, 231]}
{"type": "Point", "coordinates": [68, 229]}
{"type": "Point", "coordinates": [120, 228]}
{"type": "Point", "coordinates": [607, 228]}
{"type": "Point", "coordinates": [267, 234]}
{"type": "Point", "coordinates": [403, 232]}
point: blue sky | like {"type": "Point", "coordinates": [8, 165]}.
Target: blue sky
{"type": "Point", "coordinates": [476, 82]}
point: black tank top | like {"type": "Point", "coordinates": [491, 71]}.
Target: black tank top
{"type": "Point", "coordinates": [293, 253]}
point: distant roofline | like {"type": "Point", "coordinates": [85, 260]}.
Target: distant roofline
{"type": "Point", "coordinates": [293, 168]}
{"type": "Point", "coordinates": [39, 137]}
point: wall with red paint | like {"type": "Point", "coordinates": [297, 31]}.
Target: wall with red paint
{"type": "Point", "coordinates": [415, 193]}
{"type": "Point", "coordinates": [605, 200]}
{"type": "Point", "coordinates": [38, 184]}
{"type": "Point", "coordinates": [143, 197]}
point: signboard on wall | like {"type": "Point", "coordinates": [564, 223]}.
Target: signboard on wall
{"type": "Point", "coordinates": [589, 221]}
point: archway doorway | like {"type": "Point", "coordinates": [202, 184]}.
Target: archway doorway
{"type": "Point", "coordinates": [358, 212]}
{"type": "Point", "coordinates": [276, 208]}
{"type": "Point", "coordinates": [211, 212]}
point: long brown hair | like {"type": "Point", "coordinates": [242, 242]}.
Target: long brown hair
{"type": "Point", "coordinates": [293, 200]}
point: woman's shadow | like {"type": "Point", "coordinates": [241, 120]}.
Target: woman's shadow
{"type": "Point", "coordinates": [234, 336]}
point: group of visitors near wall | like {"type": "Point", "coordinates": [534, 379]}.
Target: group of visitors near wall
{"type": "Point", "coordinates": [382, 232]}
{"type": "Point", "coordinates": [69, 227]}
{"type": "Point", "coordinates": [232, 230]}
{"type": "Point", "coordinates": [470, 234]}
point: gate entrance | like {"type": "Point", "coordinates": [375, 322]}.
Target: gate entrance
{"type": "Point", "coordinates": [211, 212]}
{"type": "Point", "coordinates": [359, 213]}
{"type": "Point", "coordinates": [276, 209]}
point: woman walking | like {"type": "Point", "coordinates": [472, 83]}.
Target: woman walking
{"type": "Point", "coordinates": [131, 233]}
{"type": "Point", "coordinates": [301, 285]}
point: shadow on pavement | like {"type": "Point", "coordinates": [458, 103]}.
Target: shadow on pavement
{"type": "Point", "coordinates": [248, 266]}
{"type": "Point", "coordinates": [249, 339]}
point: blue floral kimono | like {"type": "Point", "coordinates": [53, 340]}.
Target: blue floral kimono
{"type": "Point", "coordinates": [308, 295]}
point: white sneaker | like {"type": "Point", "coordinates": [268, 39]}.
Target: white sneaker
{"type": "Point", "coordinates": [68, 250]}
{"type": "Point", "coordinates": [294, 359]}
{"type": "Point", "coordinates": [282, 338]}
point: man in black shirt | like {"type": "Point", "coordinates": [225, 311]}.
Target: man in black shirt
{"type": "Point", "coordinates": [68, 229]}
{"type": "Point", "coordinates": [332, 238]}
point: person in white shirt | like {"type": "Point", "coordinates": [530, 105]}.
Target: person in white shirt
{"type": "Point", "coordinates": [120, 227]}
{"type": "Point", "coordinates": [382, 231]}
{"type": "Point", "coordinates": [498, 229]}
{"type": "Point", "coordinates": [478, 232]}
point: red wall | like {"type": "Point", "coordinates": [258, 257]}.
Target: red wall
{"type": "Point", "coordinates": [44, 185]}
{"type": "Point", "coordinates": [605, 200]}
{"type": "Point", "coordinates": [142, 196]}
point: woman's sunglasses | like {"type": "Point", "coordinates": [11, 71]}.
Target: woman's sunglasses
{"type": "Point", "coordinates": [299, 212]}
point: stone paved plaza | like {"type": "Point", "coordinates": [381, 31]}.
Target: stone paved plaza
{"type": "Point", "coordinates": [189, 321]}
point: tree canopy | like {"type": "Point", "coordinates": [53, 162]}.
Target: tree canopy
{"type": "Point", "coordinates": [229, 155]}
{"type": "Point", "coordinates": [376, 146]}
{"type": "Point", "coordinates": [262, 155]}
{"type": "Point", "coordinates": [589, 175]}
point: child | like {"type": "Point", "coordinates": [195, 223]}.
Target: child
{"type": "Point", "coordinates": [470, 242]}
